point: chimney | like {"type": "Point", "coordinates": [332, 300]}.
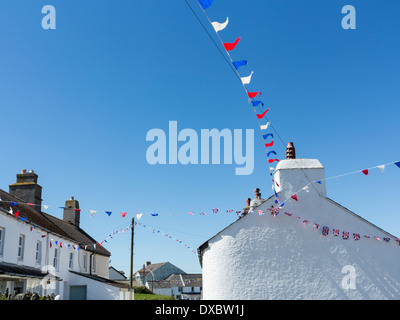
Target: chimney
{"type": "Point", "coordinates": [248, 202]}
{"type": "Point", "coordinates": [257, 194]}
{"type": "Point", "coordinates": [290, 151]}
{"type": "Point", "coordinates": [72, 213]}
{"type": "Point", "coordinates": [27, 189]}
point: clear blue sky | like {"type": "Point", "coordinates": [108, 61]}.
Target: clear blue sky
{"type": "Point", "coordinates": [77, 103]}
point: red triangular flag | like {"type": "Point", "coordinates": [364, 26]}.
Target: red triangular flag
{"type": "Point", "coordinates": [30, 204]}
{"type": "Point", "coordinates": [231, 46]}
{"type": "Point", "coordinates": [77, 210]}
{"type": "Point", "coordinates": [253, 94]}
{"type": "Point", "coordinates": [272, 160]}
{"type": "Point", "coordinates": [260, 116]}
{"type": "Point", "coordinates": [365, 171]}
{"type": "Point", "coordinates": [269, 144]}
{"type": "Point", "coordinates": [294, 197]}
{"type": "Point", "coordinates": [17, 213]}
{"type": "Point", "coordinates": [123, 214]}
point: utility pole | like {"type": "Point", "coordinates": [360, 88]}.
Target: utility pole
{"type": "Point", "coordinates": [131, 275]}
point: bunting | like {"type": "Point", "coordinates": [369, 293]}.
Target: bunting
{"type": "Point", "coordinates": [231, 46]}
{"type": "Point", "coordinates": [220, 26]}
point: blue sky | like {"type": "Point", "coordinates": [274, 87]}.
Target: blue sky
{"type": "Point", "coordinates": [78, 101]}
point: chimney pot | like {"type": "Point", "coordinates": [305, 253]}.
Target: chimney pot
{"type": "Point", "coordinates": [290, 151]}
{"type": "Point", "coordinates": [248, 202]}
{"type": "Point", "coordinates": [257, 193]}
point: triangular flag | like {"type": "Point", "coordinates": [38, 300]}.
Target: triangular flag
{"type": "Point", "coordinates": [397, 164]}
{"type": "Point", "coordinates": [109, 213]}
{"type": "Point", "coordinates": [267, 145]}
{"type": "Point", "coordinates": [92, 213]}
{"type": "Point", "coordinates": [382, 168]}
{"type": "Point", "coordinates": [365, 171]}
{"type": "Point", "coordinates": [270, 152]}
{"type": "Point", "coordinates": [256, 103]}
{"type": "Point", "coordinates": [246, 80]}
{"type": "Point", "coordinates": [260, 116]}
{"type": "Point", "coordinates": [220, 26]}
{"type": "Point", "coordinates": [13, 203]}
{"type": "Point", "coordinates": [123, 214]}
{"type": "Point", "coordinates": [154, 214]}
{"type": "Point", "coordinates": [30, 204]}
{"type": "Point", "coordinates": [205, 3]}
{"type": "Point", "coordinates": [253, 94]}
{"type": "Point", "coordinates": [265, 126]}
{"type": "Point", "coordinates": [265, 136]}
{"type": "Point", "coordinates": [46, 207]}
{"type": "Point", "coordinates": [231, 46]}
{"type": "Point", "coordinates": [294, 197]}
{"type": "Point", "coordinates": [240, 63]}
{"type": "Point", "coordinates": [272, 160]}
{"type": "Point", "coordinates": [17, 213]}
{"type": "Point", "coordinates": [319, 181]}
{"type": "Point", "coordinates": [138, 216]}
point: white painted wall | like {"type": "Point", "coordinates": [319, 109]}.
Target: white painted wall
{"type": "Point", "coordinates": [266, 257]}
{"type": "Point", "coordinates": [13, 228]}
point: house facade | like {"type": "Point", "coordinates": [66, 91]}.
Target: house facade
{"type": "Point", "coordinates": [41, 253]}
{"type": "Point", "coordinates": [311, 247]}
{"type": "Point", "coordinates": [155, 271]}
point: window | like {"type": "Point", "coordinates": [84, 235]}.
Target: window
{"type": "Point", "coordinates": [71, 260]}
{"type": "Point", "coordinates": [94, 264]}
{"type": "Point", "coordinates": [21, 246]}
{"type": "Point", "coordinates": [2, 232]}
{"type": "Point", "coordinates": [85, 262]}
{"type": "Point", "coordinates": [55, 260]}
{"type": "Point", "coordinates": [38, 255]}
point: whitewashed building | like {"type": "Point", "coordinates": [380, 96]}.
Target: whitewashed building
{"type": "Point", "coordinates": [41, 253]}
{"type": "Point", "coordinates": [312, 248]}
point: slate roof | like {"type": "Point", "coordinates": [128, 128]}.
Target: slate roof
{"type": "Point", "coordinates": [175, 280]}
{"type": "Point", "coordinates": [50, 223]}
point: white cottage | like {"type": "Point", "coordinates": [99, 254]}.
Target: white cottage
{"type": "Point", "coordinates": [41, 253]}
{"type": "Point", "coordinates": [312, 248]}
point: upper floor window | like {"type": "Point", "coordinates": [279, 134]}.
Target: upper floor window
{"type": "Point", "coordinates": [21, 246]}
{"type": "Point", "coordinates": [38, 254]}
{"type": "Point", "coordinates": [2, 233]}
{"type": "Point", "coordinates": [71, 260]}
{"type": "Point", "coordinates": [55, 259]}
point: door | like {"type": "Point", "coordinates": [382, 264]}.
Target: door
{"type": "Point", "coordinates": [77, 292]}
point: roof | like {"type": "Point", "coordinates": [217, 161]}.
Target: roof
{"type": "Point", "coordinates": [204, 246]}
{"type": "Point", "coordinates": [152, 267]}
{"type": "Point", "coordinates": [175, 280]}
{"type": "Point", "coordinates": [14, 270]}
{"type": "Point", "coordinates": [50, 223]}
{"type": "Point", "coordinates": [100, 279]}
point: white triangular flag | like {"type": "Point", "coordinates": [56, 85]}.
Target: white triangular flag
{"type": "Point", "coordinates": [11, 211]}
{"type": "Point", "coordinates": [382, 168]}
{"type": "Point", "coordinates": [46, 207]}
{"type": "Point", "coordinates": [265, 126]}
{"type": "Point", "coordinates": [220, 26]}
{"type": "Point", "coordinates": [246, 80]}
{"type": "Point", "coordinates": [138, 216]}
{"type": "Point", "coordinates": [92, 212]}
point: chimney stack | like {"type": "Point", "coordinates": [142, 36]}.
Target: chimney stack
{"type": "Point", "coordinates": [290, 151]}
{"type": "Point", "coordinates": [27, 189]}
{"type": "Point", "coordinates": [257, 194]}
{"type": "Point", "coordinates": [72, 213]}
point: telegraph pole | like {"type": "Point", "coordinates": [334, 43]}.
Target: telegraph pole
{"type": "Point", "coordinates": [131, 275]}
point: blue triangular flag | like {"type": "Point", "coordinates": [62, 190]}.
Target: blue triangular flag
{"type": "Point", "coordinates": [265, 136]}
{"type": "Point", "coordinates": [205, 3]}
{"type": "Point", "coordinates": [319, 181]}
{"type": "Point", "coordinates": [269, 153]}
{"type": "Point", "coordinates": [397, 164]}
{"type": "Point", "coordinates": [240, 63]}
{"type": "Point", "coordinates": [109, 213]}
{"type": "Point", "coordinates": [13, 203]}
{"type": "Point", "coordinates": [154, 214]}
{"type": "Point", "coordinates": [256, 103]}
